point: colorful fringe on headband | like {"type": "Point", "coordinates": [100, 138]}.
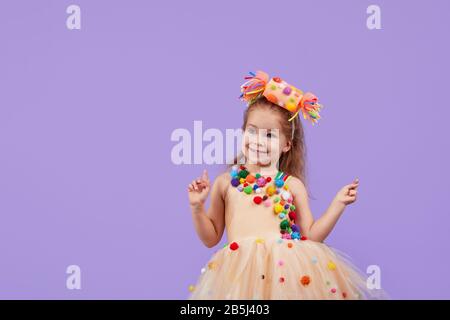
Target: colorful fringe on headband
{"type": "Point", "coordinates": [280, 93]}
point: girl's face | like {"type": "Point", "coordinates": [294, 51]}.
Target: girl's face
{"type": "Point", "coordinates": [263, 141]}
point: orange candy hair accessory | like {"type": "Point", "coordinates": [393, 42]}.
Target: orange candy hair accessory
{"type": "Point", "coordinates": [282, 94]}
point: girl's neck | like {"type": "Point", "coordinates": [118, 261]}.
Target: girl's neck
{"type": "Point", "coordinates": [270, 170]}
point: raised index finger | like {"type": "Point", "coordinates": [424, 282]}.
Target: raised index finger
{"type": "Point", "coordinates": [205, 175]}
{"type": "Point", "coordinates": [354, 184]}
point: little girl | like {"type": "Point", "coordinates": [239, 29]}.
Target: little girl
{"type": "Point", "coordinates": [275, 248]}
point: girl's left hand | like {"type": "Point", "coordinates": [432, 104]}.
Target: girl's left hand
{"type": "Point", "coordinates": [348, 193]}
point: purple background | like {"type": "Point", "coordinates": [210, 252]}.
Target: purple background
{"type": "Point", "coordinates": [86, 117]}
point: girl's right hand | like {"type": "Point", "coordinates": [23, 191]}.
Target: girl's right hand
{"type": "Point", "coordinates": [198, 190]}
{"type": "Point", "coordinates": [348, 193]}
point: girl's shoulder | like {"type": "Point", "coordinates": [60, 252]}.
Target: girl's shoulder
{"type": "Point", "coordinates": [295, 184]}
{"type": "Point", "coordinates": [223, 178]}
{"type": "Point", "coordinates": [223, 181]}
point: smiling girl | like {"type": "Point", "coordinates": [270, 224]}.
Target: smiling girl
{"type": "Point", "coordinates": [275, 248]}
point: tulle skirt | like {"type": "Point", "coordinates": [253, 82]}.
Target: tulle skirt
{"type": "Point", "coordinates": [272, 268]}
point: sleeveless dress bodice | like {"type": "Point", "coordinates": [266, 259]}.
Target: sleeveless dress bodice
{"type": "Point", "coordinates": [244, 218]}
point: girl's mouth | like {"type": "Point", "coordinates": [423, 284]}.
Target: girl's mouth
{"type": "Point", "coordinates": [257, 151]}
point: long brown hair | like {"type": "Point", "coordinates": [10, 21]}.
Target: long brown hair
{"type": "Point", "coordinates": [292, 162]}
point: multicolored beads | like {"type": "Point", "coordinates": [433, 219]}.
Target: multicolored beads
{"type": "Point", "coordinates": [263, 189]}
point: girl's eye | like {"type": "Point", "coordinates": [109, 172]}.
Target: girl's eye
{"type": "Point", "coordinates": [251, 130]}
{"type": "Point", "coordinates": [271, 135]}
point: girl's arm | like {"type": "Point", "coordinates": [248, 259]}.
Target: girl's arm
{"type": "Point", "coordinates": [209, 224]}
{"type": "Point", "coordinates": [320, 229]}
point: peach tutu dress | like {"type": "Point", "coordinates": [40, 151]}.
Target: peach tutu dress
{"type": "Point", "coordinates": [263, 262]}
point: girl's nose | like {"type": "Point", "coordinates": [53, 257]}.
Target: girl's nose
{"type": "Point", "coordinates": [262, 141]}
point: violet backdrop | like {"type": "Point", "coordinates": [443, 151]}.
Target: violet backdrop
{"type": "Point", "coordinates": [86, 117]}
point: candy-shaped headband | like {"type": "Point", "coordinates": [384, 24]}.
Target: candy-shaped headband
{"type": "Point", "coordinates": [281, 93]}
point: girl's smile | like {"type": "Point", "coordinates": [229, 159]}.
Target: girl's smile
{"type": "Point", "coordinates": [258, 151]}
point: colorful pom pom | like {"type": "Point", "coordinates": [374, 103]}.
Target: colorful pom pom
{"type": "Point", "coordinates": [257, 200]}
{"type": "Point", "coordinates": [277, 208]}
{"type": "Point", "coordinates": [331, 265]}
{"type": "Point", "coordinates": [261, 182]}
{"type": "Point", "coordinates": [248, 189]}
{"type": "Point", "coordinates": [234, 246]}
{"type": "Point", "coordinates": [243, 174]}
{"type": "Point", "coordinates": [272, 98]}
{"type": "Point", "coordinates": [285, 194]}
{"type": "Point", "coordinates": [287, 91]}
{"type": "Point", "coordinates": [279, 183]}
{"type": "Point", "coordinates": [284, 224]}
{"type": "Point", "coordinates": [235, 182]}
{"type": "Point", "coordinates": [211, 265]}
{"type": "Point", "coordinates": [270, 191]}
{"type": "Point", "coordinates": [305, 280]}
{"type": "Point", "coordinates": [292, 215]}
